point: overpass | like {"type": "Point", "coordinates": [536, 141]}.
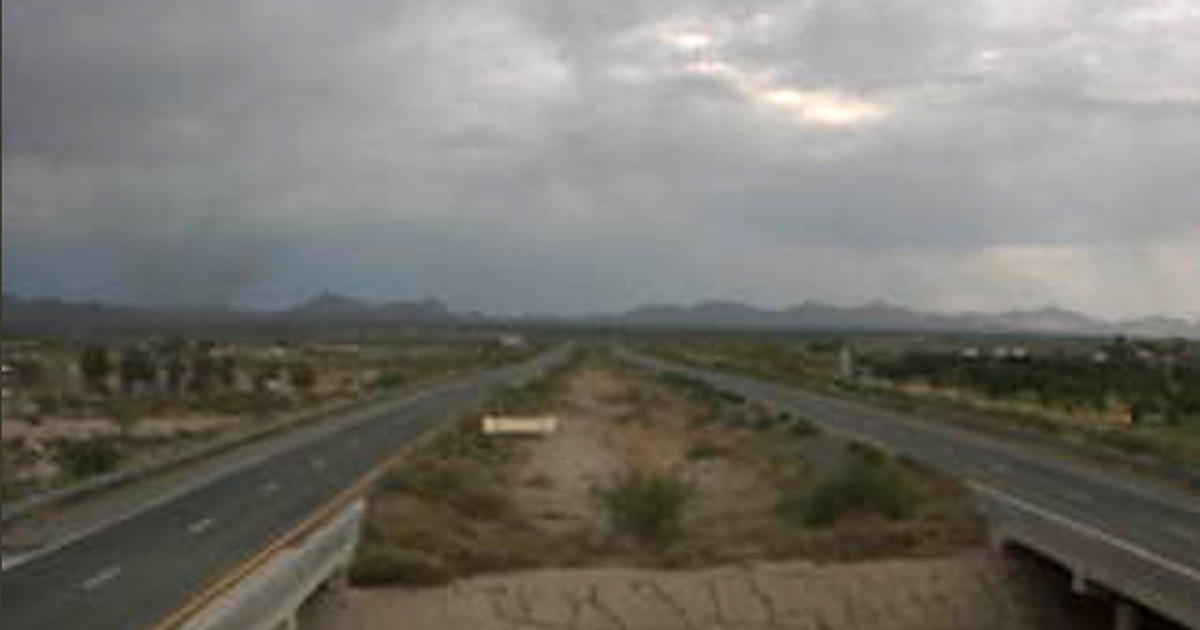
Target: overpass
{"type": "Point", "coordinates": [1129, 541]}
{"type": "Point", "coordinates": [142, 571]}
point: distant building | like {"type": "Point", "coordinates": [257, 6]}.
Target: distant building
{"type": "Point", "coordinates": [510, 340]}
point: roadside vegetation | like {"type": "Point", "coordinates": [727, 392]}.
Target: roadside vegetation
{"type": "Point", "coordinates": [645, 505]}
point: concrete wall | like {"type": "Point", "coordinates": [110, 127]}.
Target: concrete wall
{"type": "Point", "coordinates": [1097, 560]}
{"type": "Point", "coordinates": [268, 598]}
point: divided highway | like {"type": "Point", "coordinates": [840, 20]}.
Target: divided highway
{"type": "Point", "coordinates": [1154, 523]}
{"type": "Point", "coordinates": [136, 572]}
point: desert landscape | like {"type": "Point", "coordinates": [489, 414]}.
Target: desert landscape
{"type": "Point", "coordinates": [660, 503]}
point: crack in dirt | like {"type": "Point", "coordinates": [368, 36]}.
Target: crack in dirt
{"type": "Point", "coordinates": [670, 603]}
{"type": "Point", "coordinates": [594, 600]}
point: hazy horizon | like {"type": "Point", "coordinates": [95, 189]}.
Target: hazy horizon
{"type": "Point", "coordinates": [613, 311]}
{"type": "Point", "coordinates": [511, 156]}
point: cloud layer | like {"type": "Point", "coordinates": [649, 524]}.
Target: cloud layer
{"type": "Point", "coordinates": [520, 155]}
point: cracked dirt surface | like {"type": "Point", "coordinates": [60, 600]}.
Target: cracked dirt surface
{"type": "Point", "coordinates": [962, 592]}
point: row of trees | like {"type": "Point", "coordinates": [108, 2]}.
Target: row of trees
{"type": "Point", "coordinates": [198, 370]}
{"type": "Point", "coordinates": [1170, 391]}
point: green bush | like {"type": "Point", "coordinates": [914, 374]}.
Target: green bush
{"type": "Point", "coordinates": [380, 564]}
{"type": "Point", "coordinates": [88, 458]}
{"type": "Point", "coordinates": [871, 485]}
{"type": "Point", "coordinates": [647, 506]}
{"type": "Point", "coordinates": [803, 428]}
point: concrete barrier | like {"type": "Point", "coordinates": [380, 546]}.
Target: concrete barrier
{"type": "Point", "coordinates": [534, 425]}
{"type": "Point", "coordinates": [268, 598]}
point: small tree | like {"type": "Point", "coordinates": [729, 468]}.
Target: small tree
{"type": "Point", "coordinates": [87, 458]}
{"type": "Point", "coordinates": [95, 366]}
{"type": "Point", "coordinates": [203, 370]}
{"type": "Point", "coordinates": [303, 376]}
{"type": "Point", "coordinates": [226, 369]}
{"type": "Point", "coordinates": [137, 367]}
{"type": "Point", "coordinates": [175, 371]}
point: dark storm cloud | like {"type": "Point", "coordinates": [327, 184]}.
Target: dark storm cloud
{"type": "Point", "coordinates": [572, 156]}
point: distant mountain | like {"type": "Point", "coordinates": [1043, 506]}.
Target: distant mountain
{"type": "Point", "coordinates": [57, 318]}
{"type": "Point", "coordinates": [727, 314]}
{"type": "Point", "coordinates": [326, 304]}
{"type": "Point", "coordinates": [1159, 326]}
{"type": "Point", "coordinates": [332, 306]}
{"type": "Point", "coordinates": [881, 316]}
{"type": "Point", "coordinates": [328, 311]}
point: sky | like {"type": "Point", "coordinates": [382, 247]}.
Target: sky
{"type": "Point", "coordinates": [565, 157]}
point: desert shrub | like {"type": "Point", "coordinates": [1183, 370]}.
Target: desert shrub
{"type": "Point", "coordinates": [803, 428]}
{"type": "Point", "coordinates": [87, 458]}
{"type": "Point", "coordinates": [867, 452]}
{"type": "Point", "coordinates": [460, 485]}
{"type": "Point", "coordinates": [467, 441]}
{"type": "Point", "coordinates": [870, 485]}
{"type": "Point", "coordinates": [383, 564]}
{"type": "Point", "coordinates": [646, 505]}
{"type": "Point", "coordinates": [540, 480]}
{"type": "Point", "coordinates": [704, 449]}
{"type": "Point", "coordinates": [764, 422]}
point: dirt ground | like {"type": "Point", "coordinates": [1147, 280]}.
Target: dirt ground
{"type": "Point", "coordinates": [957, 593]}
{"type": "Point", "coordinates": [768, 574]}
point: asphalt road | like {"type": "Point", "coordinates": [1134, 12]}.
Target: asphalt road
{"type": "Point", "coordinates": [138, 571]}
{"type": "Point", "coordinates": [1152, 518]}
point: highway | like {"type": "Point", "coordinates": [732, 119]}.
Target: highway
{"type": "Point", "coordinates": [1154, 521]}
{"type": "Point", "coordinates": [134, 573]}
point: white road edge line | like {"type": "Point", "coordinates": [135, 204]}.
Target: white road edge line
{"type": "Point", "coordinates": [1088, 530]}
{"type": "Point", "coordinates": [98, 580]}
{"type": "Point", "coordinates": [13, 560]}
{"type": "Point", "coordinates": [200, 526]}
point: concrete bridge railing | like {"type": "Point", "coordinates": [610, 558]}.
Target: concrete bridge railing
{"type": "Point", "coordinates": [269, 597]}
{"type": "Point", "coordinates": [1097, 561]}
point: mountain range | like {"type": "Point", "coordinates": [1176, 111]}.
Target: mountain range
{"type": "Point", "coordinates": [21, 316]}
{"type": "Point", "coordinates": [881, 316]}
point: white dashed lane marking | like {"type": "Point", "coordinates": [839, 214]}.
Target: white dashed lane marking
{"type": "Point", "coordinates": [101, 578]}
{"type": "Point", "coordinates": [271, 487]}
{"type": "Point", "coordinates": [200, 526]}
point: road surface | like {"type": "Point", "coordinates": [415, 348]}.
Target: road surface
{"type": "Point", "coordinates": [136, 572]}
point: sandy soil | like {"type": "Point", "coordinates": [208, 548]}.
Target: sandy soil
{"type": "Point", "coordinates": [74, 429]}
{"type": "Point", "coordinates": [959, 593]}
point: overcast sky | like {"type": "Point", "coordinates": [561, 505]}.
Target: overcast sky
{"type": "Point", "coordinates": [565, 156]}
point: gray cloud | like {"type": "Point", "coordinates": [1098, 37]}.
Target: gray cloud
{"type": "Point", "coordinates": [572, 156]}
